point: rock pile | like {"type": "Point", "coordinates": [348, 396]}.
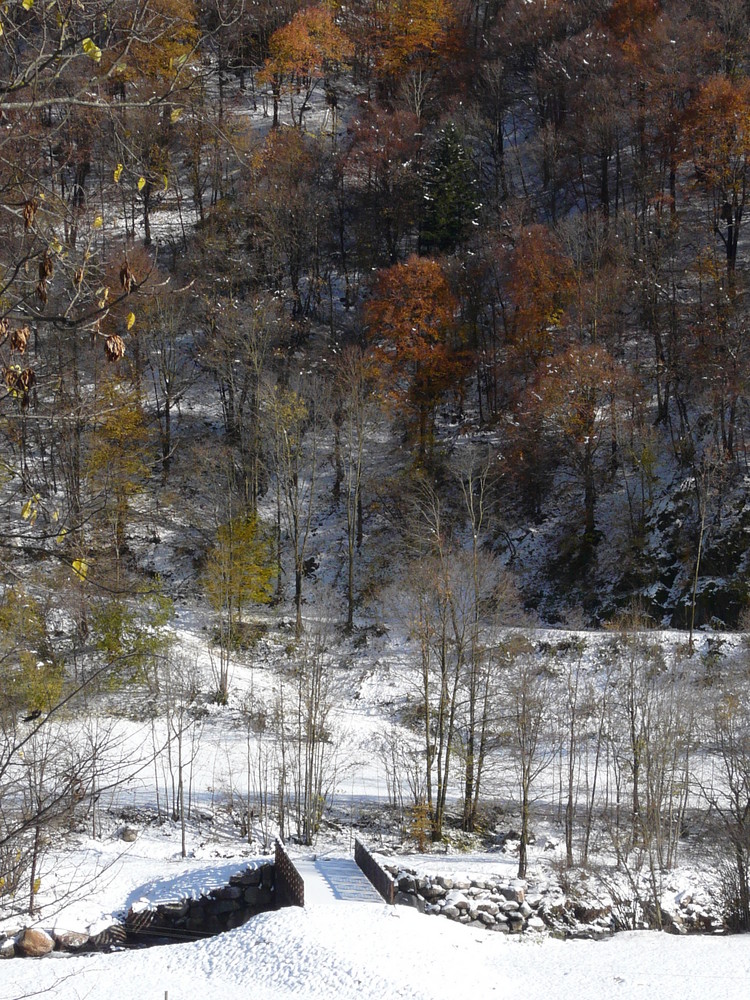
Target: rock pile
{"type": "Point", "coordinates": [497, 905]}
{"type": "Point", "coordinates": [511, 906]}
{"type": "Point", "coordinates": [34, 942]}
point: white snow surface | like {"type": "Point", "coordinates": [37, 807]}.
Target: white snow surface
{"type": "Point", "coordinates": [355, 950]}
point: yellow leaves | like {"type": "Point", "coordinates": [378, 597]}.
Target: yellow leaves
{"type": "Point", "coordinates": [166, 181]}
{"type": "Point", "coordinates": [27, 4]}
{"type": "Point", "coordinates": [117, 173]}
{"type": "Point", "coordinates": [130, 321]}
{"type": "Point", "coordinates": [30, 509]}
{"type": "Point", "coordinates": [102, 296]}
{"type": "Point", "coordinates": [91, 49]}
{"type": "Point", "coordinates": [55, 246]}
{"type": "Point", "coordinates": [98, 222]}
{"type": "Point", "coordinates": [141, 183]}
{"type": "Point", "coordinates": [81, 569]}
{"type": "Point", "coordinates": [175, 115]}
{"type": "Point", "coordinates": [61, 536]}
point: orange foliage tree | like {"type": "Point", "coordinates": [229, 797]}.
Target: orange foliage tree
{"type": "Point", "coordinates": [538, 286]}
{"type": "Point", "coordinates": [302, 53]}
{"type": "Point", "coordinates": [416, 40]}
{"type": "Point", "coordinates": [718, 141]}
{"type": "Point", "coordinates": [417, 355]}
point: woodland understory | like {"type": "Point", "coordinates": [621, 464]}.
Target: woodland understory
{"type": "Point", "coordinates": [418, 322]}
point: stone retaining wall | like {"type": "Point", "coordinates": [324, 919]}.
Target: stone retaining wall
{"type": "Point", "coordinates": [248, 893]}
{"type": "Point", "coordinates": [512, 906]}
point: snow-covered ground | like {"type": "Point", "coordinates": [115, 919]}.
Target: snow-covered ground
{"type": "Point", "coordinates": [368, 952]}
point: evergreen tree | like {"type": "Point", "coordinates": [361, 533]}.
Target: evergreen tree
{"type": "Point", "coordinates": [450, 194]}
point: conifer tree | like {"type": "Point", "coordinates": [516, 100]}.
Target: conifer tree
{"type": "Point", "coordinates": [451, 201]}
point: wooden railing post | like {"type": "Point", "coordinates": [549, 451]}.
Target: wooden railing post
{"type": "Point", "coordinates": [377, 875]}
{"type": "Point", "coordinates": [290, 886]}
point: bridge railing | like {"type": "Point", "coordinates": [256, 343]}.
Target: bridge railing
{"type": "Point", "coordinates": [377, 875]}
{"type": "Point", "coordinates": [290, 887]}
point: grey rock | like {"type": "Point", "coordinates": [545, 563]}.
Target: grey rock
{"type": "Point", "coordinates": [222, 906]}
{"type": "Point", "coordinates": [129, 834]}
{"type": "Point", "coordinates": [410, 899]}
{"type": "Point", "coordinates": [251, 877]}
{"type": "Point", "coordinates": [227, 892]}
{"type": "Point", "coordinates": [70, 940]}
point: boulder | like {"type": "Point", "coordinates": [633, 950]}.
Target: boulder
{"type": "Point", "coordinates": [70, 940]}
{"type": "Point", "coordinates": [129, 834]}
{"type": "Point", "coordinates": [514, 892]}
{"type": "Point", "coordinates": [410, 899]}
{"type": "Point", "coordinates": [227, 892]}
{"type": "Point", "coordinates": [7, 948]}
{"type": "Point", "coordinates": [33, 942]}
{"type": "Point", "coordinates": [456, 898]}
{"type": "Point", "coordinates": [250, 877]}
{"type": "Point", "coordinates": [407, 883]}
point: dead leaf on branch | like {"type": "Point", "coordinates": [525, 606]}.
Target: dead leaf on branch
{"type": "Point", "coordinates": [46, 267]}
{"type": "Point", "coordinates": [127, 278]}
{"type": "Point", "coordinates": [19, 339]}
{"type": "Point", "coordinates": [114, 347]}
{"type": "Point", "coordinates": [29, 211]}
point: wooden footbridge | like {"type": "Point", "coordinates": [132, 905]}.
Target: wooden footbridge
{"type": "Point", "coordinates": [326, 879]}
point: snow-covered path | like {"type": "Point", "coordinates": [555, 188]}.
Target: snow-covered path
{"type": "Point", "coordinates": [334, 880]}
